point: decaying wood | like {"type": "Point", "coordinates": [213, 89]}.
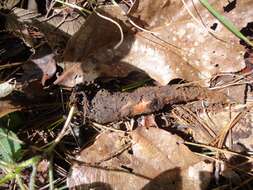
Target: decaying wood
{"type": "Point", "coordinates": [107, 107]}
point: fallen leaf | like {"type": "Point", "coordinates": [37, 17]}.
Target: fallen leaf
{"type": "Point", "coordinates": [80, 58]}
{"type": "Point", "coordinates": [149, 14]}
{"type": "Point", "coordinates": [156, 159]}
{"type": "Point", "coordinates": [178, 47]}
{"type": "Point", "coordinates": [7, 106]}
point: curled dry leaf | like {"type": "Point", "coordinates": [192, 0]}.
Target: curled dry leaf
{"type": "Point", "coordinates": [179, 47]}
{"type": "Point", "coordinates": [151, 159]}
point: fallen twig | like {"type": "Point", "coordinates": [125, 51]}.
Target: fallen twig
{"type": "Point", "coordinates": [108, 107]}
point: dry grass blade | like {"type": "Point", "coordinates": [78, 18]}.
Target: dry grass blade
{"type": "Point", "coordinates": [220, 150]}
{"type": "Point", "coordinates": [220, 139]}
{"type": "Point", "coordinates": [186, 116]}
{"type": "Point", "coordinates": [239, 80]}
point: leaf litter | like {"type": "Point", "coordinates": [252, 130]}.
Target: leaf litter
{"type": "Point", "coordinates": [199, 92]}
{"type": "Point", "coordinates": [149, 162]}
{"type": "Point", "coordinates": [164, 57]}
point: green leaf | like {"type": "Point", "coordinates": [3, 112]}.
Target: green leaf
{"type": "Point", "coordinates": [10, 146]}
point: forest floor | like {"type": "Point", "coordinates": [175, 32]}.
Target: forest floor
{"type": "Point", "coordinates": [126, 94]}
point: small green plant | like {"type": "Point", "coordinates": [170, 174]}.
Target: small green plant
{"type": "Point", "coordinates": [10, 154]}
{"type": "Point", "coordinates": [227, 23]}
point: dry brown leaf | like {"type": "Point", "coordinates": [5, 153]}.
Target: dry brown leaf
{"type": "Point", "coordinates": [95, 35]}
{"type": "Point", "coordinates": [155, 160]}
{"type": "Point", "coordinates": [150, 14]}
{"type": "Point", "coordinates": [203, 51]}
{"type": "Point", "coordinates": [178, 48]}
{"type": "Point", "coordinates": [6, 107]}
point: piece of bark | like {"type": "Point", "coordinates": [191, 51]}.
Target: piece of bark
{"type": "Point", "coordinates": [107, 107]}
